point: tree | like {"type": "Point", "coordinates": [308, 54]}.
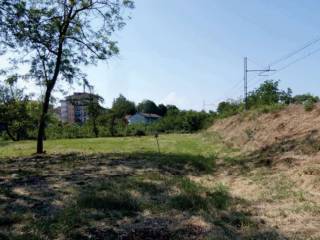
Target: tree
{"type": "Point", "coordinates": [301, 99]}
{"type": "Point", "coordinates": [162, 110]}
{"type": "Point", "coordinates": [228, 108]}
{"type": "Point", "coordinates": [172, 109]}
{"type": "Point", "coordinates": [286, 96]}
{"type": "Point", "coordinates": [122, 107]}
{"type": "Point", "coordinates": [56, 37]}
{"type": "Point", "coordinates": [267, 94]}
{"type": "Point", "coordinates": [14, 113]}
{"type": "Point", "coordinates": [94, 111]}
{"type": "Point", "coordinates": [148, 106]}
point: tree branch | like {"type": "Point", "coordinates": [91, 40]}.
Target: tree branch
{"type": "Point", "coordinates": [86, 45]}
{"type": "Point", "coordinates": [43, 65]}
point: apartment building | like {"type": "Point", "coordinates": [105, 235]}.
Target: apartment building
{"type": "Point", "coordinates": [74, 107]}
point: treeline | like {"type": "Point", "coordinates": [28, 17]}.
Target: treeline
{"type": "Point", "coordinates": [113, 122]}
{"type": "Point", "coordinates": [19, 118]}
{"type": "Point", "coordinates": [19, 115]}
{"type": "Point", "coordinates": [267, 97]}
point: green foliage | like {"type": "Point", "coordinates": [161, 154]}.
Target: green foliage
{"type": "Point", "coordinates": [308, 105]}
{"type": "Point", "coordinates": [266, 98]}
{"type": "Point", "coordinates": [301, 99]}
{"type": "Point", "coordinates": [122, 107]}
{"type": "Point", "coordinates": [183, 121]}
{"type": "Point", "coordinates": [229, 108]}
{"type": "Point", "coordinates": [108, 125]}
{"type": "Point", "coordinates": [268, 93]}
{"type": "Point", "coordinates": [17, 113]}
{"type": "Point", "coordinates": [162, 110]}
{"type": "Point", "coordinates": [51, 39]}
{"type": "Point", "coordinates": [58, 131]}
{"type": "Point", "coordinates": [148, 106]}
{"type": "Point", "coordinates": [114, 118]}
{"type": "Point", "coordinates": [94, 111]}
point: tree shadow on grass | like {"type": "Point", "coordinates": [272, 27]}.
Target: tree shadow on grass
{"type": "Point", "coordinates": [5, 143]}
{"type": "Point", "coordinates": [120, 196]}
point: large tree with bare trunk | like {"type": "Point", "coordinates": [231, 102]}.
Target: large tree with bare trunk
{"type": "Point", "coordinates": [54, 38]}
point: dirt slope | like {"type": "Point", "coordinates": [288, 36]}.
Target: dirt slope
{"type": "Point", "coordinates": [280, 161]}
{"type": "Point", "coordinates": [252, 131]}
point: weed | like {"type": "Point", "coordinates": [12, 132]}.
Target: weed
{"type": "Point", "coordinates": [220, 197]}
{"type": "Point", "coordinates": [308, 105]}
{"type": "Point", "coordinates": [250, 134]}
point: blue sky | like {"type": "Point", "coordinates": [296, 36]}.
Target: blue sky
{"type": "Point", "coordinates": [185, 52]}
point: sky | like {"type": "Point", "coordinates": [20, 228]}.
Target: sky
{"type": "Point", "coordinates": [190, 52]}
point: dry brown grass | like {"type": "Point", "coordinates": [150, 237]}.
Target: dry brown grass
{"type": "Point", "coordinates": [278, 167]}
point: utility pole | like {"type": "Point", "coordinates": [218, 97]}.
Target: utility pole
{"type": "Point", "coordinates": [246, 79]}
{"type": "Point", "coordinates": [245, 84]}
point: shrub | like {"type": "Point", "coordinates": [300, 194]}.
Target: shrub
{"type": "Point", "coordinates": [309, 105]}
{"type": "Point", "coordinates": [139, 133]}
{"type": "Point", "coordinates": [301, 99]}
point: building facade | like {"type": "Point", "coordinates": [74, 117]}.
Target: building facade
{"type": "Point", "coordinates": [142, 118]}
{"type": "Point", "coordinates": [74, 109]}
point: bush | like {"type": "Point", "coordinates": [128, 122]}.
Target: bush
{"type": "Point", "coordinates": [140, 133]}
{"type": "Point", "coordinates": [303, 98]}
{"type": "Point", "coordinates": [309, 105]}
{"type": "Point", "coordinates": [229, 108]}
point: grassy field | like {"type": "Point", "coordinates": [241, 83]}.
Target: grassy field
{"type": "Point", "coordinates": [123, 188]}
{"type": "Point", "coordinates": [194, 144]}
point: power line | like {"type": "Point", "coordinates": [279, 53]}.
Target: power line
{"type": "Point", "coordinates": [289, 64]}
{"type": "Point", "coordinates": [293, 53]}
{"type": "Point", "coordinates": [299, 59]}
{"type": "Point", "coordinates": [267, 69]}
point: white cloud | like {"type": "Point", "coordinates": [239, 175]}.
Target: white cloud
{"type": "Point", "coordinates": [174, 99]}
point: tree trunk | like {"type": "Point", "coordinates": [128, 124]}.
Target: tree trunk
{"type": "Point", "coordinates": [112, 123]}
{"type": "Point", "coordinates": [95, 128]}
{"type": "Point", "coordinates": [42, 122]}
{"type": "Point", "coordinates": [10, 135]}
{"type": "Point", "coordinates": [51, 83]}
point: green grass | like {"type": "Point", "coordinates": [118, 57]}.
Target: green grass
{"type": "Point", "coordinates": [102, 188]}
{"type": "Point", "coordinates": [194, 144]}
{"type": "Point", "coordinates": [110, 198]}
